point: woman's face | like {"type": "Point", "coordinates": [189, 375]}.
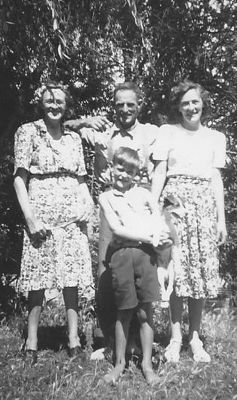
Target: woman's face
{"type": "Point", "coordinates": [190, 107]}
{"type": "Point", "coordinates": [54, 104]}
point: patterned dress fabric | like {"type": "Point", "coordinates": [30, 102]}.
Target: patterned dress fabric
{"type": "Point", "coordinates": [197, 274]}
{"type": "Point", "coordinates": [56, 168]}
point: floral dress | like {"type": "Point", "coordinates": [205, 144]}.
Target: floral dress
{"type": "Point", "coordinates": [191, 157]}
{"type": "Point", "coordinates": [197, 273]}
{"type": "Point", "coordinates": [55, 168]}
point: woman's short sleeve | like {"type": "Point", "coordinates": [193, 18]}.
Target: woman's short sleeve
{"type": "Point", "coordinates": [161, 146]}
{"type": "Point", "coordinates": [23, 147]}
{"type": "Point", "coordinates": [219, 145]}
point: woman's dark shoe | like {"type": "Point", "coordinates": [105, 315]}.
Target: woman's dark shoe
{"type": "Point", "coordinates": [30, 356]}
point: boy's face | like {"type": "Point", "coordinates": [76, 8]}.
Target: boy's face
{"type": "Point", "coordinates": [123, 177]}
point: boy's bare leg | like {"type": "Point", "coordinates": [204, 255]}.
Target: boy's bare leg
{"type": "Point", "coordinates": [144, 314]}
{"type": "Point", "coordinates": [121, 337]}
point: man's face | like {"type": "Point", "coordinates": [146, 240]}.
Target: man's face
{"type": "Point", "coordinates": [127, 108]}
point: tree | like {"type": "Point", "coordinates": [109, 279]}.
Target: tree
{"type": "Point", "coordinates": [89, 44]}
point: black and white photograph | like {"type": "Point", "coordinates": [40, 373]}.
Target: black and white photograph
{"type": "Point", "coordinates": [118, 193]}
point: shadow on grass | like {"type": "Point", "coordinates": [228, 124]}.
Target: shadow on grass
{"type": "Point", "coordinates": [50, 337]}
{"type": "Point", "coordinates": [53, 338]}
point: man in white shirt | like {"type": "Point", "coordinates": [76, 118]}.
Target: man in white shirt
{"type": "Point", "coordinates": [127, 131]}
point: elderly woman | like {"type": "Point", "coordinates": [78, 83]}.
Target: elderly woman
{"type": "Point", "coordinates": [189, 159]}
{"type": "Point", "coordinates": [54, 198]}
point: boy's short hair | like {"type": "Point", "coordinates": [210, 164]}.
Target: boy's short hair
{"type": "Point", "coordinates": [127, 157]}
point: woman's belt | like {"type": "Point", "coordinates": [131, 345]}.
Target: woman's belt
{"type": "Point", "coordinates": [56, 174]}
{"type": "Point", "coordinates": [190, 178]}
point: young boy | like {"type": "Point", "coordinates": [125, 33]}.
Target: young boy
{"type": "Point", "coordinates": [137, 227]}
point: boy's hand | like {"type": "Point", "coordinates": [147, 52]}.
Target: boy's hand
{"type": "Point", "coordinates": [161, 238]}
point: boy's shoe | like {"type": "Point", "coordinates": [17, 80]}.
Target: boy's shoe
{"type": "Point", "coordinates": [199, 354]}
{"type": "Point", "coordinates": [172, 351]}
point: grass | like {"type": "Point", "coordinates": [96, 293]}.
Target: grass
{"type": "Point", "coordinates": [55, 376]}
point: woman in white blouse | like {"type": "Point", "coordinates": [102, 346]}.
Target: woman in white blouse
{"type": "Point", "coordinates": [189, 157]}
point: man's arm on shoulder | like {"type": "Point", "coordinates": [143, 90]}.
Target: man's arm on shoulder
{"type": "Point", "coordinates": [98, 123]}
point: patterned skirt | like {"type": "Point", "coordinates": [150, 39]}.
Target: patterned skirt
{"type": "Point", "coordinates": [63, 259]}
{"type": "Point", "coordinates": [197, 272]}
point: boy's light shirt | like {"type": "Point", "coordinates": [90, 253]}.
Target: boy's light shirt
{"type": "Point", "coordinates": [133, 208]}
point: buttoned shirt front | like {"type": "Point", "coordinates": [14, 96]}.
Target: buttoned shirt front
{"type": "Point", "coordinates": [141, 137]}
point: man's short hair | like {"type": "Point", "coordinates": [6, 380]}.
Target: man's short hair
{"type": "Point", "coordinates": [126, 157]}
{"type": "Point", "coordinates": [129, 86]}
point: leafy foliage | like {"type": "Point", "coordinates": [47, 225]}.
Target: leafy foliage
{"type": "Point", "coordinates": [91, 44]}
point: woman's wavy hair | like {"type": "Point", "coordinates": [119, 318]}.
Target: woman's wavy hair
{"type": "Point", "coordinates": [178, 91]}
{"type": "Point", "coordinates": [49, 86]}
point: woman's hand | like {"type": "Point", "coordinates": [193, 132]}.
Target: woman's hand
{"type": "Point", "coordinates": [221, 233]}
{"type": "Point", "coordinates": [86, 212]}
{"type": "Point", "coordinates": [87, 208]}
{"type": "Point", "coordinates": [218, 189]}
{"type": "Point", "coordinates": [36, 228]}
{"type": "Point", "coordinates": [37, 231]}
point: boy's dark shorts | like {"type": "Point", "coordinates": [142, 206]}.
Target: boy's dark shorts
{"type": "Point", "coordinates": [134, 275]}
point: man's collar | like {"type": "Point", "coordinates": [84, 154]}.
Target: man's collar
{"type": "Point", "coordinates": [117, 193]}
{"type": "Point", "coordinates": [118, 129]}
